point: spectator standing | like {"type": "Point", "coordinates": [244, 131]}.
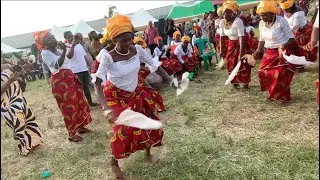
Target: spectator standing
{"type": "Point", "coordinates": [151, 33]}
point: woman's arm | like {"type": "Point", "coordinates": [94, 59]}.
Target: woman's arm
{"type": "Point", "coordinates": [99, 91]}
{"type": "Point", "coordinates": [6, 85]}
{"type": "Point", "coordinates": [241, 42]}
{"type": "Point", "coordinates": [61, 58]}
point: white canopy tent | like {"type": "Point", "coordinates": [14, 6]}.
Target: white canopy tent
{"type": "Point", "coordinates": [80, 27]}
{"type": "Point", "coordinates": [10, 54]}
{"type": "Point", "coordinates": [8, 49]}
{"type": "Point", "coordinates": [140, 19]}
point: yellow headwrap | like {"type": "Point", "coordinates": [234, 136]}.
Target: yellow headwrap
{"type": "Point", "coordinates": [219, 11]}
{"type": "Point", "coordinates": [185, 38]}
{"type": "Point", "coordinates": [230, 4]}
{"type": "Point", "coordinates": [117, 25]}
{"type": "Point", "coordinates": [175, 35]}
{"type": "Point", "coordinates": [268, 6]}
{"type": "Point", "coordinates": [139, 39]}
{"type": "Point", "coordinates": [286, 4]}
{"type": "Point", "coordinates": [104, 38]}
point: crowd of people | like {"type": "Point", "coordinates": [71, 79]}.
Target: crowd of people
{"type": "Point", "coordinates": [127, 70]}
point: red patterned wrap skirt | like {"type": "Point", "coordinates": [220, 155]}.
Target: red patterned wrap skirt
{"type": "Point", "coordinates": [232, 54]}
{"type": "Point", "coordinates": [275, 75]}
{"type": "Point", "coordinates": [68, 92]}
{"type": "Point", "coordinates": [170, 65]}
{"type": "Point", "coordinates": [251, 43]}
{"type": "Point", "coordinates": [303, 37]}
{"type": "Point", "coordinates": [127, 140]}
{"type": "Point", "coordinates": [217, 39]}
{"type": "Point", "coordinates": [95, 66]}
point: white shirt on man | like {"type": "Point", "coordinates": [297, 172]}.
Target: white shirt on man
{"type": "Point", "coordinates": [78, 62]}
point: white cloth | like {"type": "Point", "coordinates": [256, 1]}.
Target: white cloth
{"type": "Point", "coordinates": [316, 22]}
{"type": "Point", "coordinates": [217, 25]}
{"type": "Point", "coordinates": [194, 38]}
{"type": "Point", "coordinates": [276, 35]}
{"type": "Point", "coordinates": [51, 59]}
{"type": "Point", "coordinates": [174, 43]}
{"type": "Point", "coordinates": [236, 30]}
{"type": "Point", "coordinates": [78, 62]}
{"type": "Point", "coordinates": [124, 74]}
{"type": "Point", "coordinates": [137, 120]}
{"type": "Point", "coordinates": [249, 28]}
{"type": "Point", "coordinates": [297, 20]}
{"type": "Point", "coordinates": [179, 52]}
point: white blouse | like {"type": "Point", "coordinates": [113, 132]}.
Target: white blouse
{"type": "Point", "coordinates": [179, 52]}
{"type": "Point", "coordinates": [174, 43]}
{"type": "Point", "coordinates": [98, 58]}
{"type": "Point", "coordinates": [276, 35]}
{"type": "Point", "coordinates": [51, 59]}
{"type": "Point", "coordinates": [158, 52]}
{"type": "Point", "coordinates": [124, 74]}
{"type": "Point", "coordinates": [297, 20]}
{"type": "Point", "coordinates": [236, 30]}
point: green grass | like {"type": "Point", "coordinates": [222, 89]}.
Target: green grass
{"type": "Point", "coordinates": [211, 132]}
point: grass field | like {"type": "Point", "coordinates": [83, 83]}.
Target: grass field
{"type": "Point", "coordinates": [211, 132]}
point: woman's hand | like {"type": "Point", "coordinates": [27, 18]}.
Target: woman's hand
{"type": "Point", "coordinates": [108, 114]}
{"type": "Point", "coordinates": [256, 54]}
{"type": "Point", "coordinates": [14, 77]}
{"type": "Point", "coordinates": [281, 50]}
{"type": "Point", "coordinates": [62, 46]}
{"type": "Point", "coordinates": [310, 46]}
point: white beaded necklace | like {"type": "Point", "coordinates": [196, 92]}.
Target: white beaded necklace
{"type": "Point", "coordinates": [126, 54]}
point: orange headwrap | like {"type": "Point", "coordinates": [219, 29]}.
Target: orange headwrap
{"type": "Point", "coordinates": [139, 39]}
{"type": "Point", "coordinates": [104, 38]}
{"type": "Point", "coordinates": [156, 39]}
{"type": "Point", "coordinates": [117, 25]}
{"type": "Point", "coordinates": [175, 35]}
{"type": "Point", "coordinates": [268, 6]}
{"type": "Point", "coordinates": [38, 38]}
{"type": "Point", "coordinates": [286, 4]}
{"type": "Point", "coordinates": [196, 28]}
{"type": "Point", "coordinates": [230, 4]}
{"type": "Point", "coordinates": [185, 38]}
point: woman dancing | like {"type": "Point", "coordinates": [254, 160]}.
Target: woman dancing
{"type": "Point", "coordinates": [300, 26]}
{"type": "Point", "coordinates": [16, 111]}
{"type": "Point", "coordinates": [66, 87]}
{"type": "Point", "coordinates": [119, 69]}
{"type": "Point", "coordinates": [232, 36]}
{"type": "Point", "coordinates": [275, 74]}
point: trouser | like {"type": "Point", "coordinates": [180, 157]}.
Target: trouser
{"type": "Point", "coordinates": [84, 78]}
{"type": "Point", "coordinates": [152, 47]}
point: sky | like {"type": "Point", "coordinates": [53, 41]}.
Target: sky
{"type": "Point", "coordinates": [18, 17]}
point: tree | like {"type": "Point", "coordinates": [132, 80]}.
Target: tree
{"type": "Point", "coordinates": [111, 11]}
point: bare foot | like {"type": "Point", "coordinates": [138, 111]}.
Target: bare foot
{"type": "Point", "coordinates": [246, 86]}
{"type": "Point", "coordinates": [117, 172]}
{"type": "Point", "coordinates": [152, 159]}
{"type": "Point", "coordinates": [75, 138]}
